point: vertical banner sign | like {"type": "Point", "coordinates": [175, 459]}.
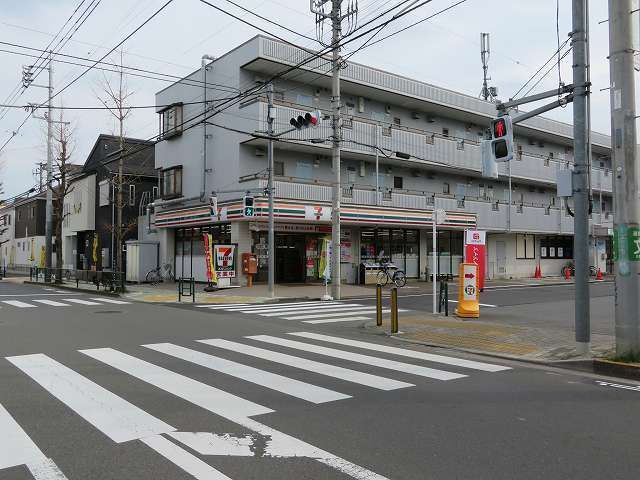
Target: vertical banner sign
{"type": "Point", "coordinates": [208, 257]}
{"type": "Point", "coordinates": [474, 252]}
{"type": "Point", "coordinates": [225, 258]}
{"type": "Point", "coordinates": [468, 291]}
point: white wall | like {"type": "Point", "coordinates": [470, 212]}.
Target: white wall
{"type": "Point", "coordinates": [80, 203]}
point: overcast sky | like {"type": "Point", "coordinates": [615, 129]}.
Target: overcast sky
{"type": "Point", "coordinates": [444, 51]}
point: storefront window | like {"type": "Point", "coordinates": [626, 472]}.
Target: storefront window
{"type": "Point", "coordinates": [400, 247]}
{"type": "Point", "coordinates": [367, 246]}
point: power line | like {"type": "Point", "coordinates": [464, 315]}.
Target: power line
{"type": "Point", "coordinates": [542, 67]}
{"type": "Point", "coordinates": [549, 71]}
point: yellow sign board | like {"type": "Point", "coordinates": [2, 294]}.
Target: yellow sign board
{"type": "Point", "coordinates": [468, 291]}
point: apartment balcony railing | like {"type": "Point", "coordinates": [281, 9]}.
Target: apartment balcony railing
{"type": "Point", "coordinates": [362, 136]}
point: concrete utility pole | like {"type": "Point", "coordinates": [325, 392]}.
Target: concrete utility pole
{"type": "Point", "coordinates": [48, 226]}
{"type": "Point", "coordinates": [581, 176]}
{"type": "Point", "coordinates": [271, 253]}
{"type": "Point", "coordinates": [626, 248]}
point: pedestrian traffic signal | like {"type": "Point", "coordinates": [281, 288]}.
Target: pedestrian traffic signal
{"type": "Point", "coordinates": [248, 209]}
{"type": "Point", "coordinates": [309, 118]}
{"type": "Point", "coordinates": [499, 148]}
{"type": "Point", "coordinates": [502, 138]}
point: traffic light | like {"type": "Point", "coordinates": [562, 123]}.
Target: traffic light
{"type": "Point", "coordinates": [499, 148]}
{"type": "Point", "coordinates": [309, 118]}
{"type": "Point", "coordinates": [502, 138]}
{"type": "Point", "coordinates": [248, 209]}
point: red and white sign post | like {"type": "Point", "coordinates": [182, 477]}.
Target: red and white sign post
{"type": "Point", "coordinates": [475, 252]}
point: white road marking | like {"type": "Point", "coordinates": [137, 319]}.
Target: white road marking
{"type": "Point", "coordinates": [118, 419]}
{"type": "Point", "coordinates": [336, 320]}
{"type": "Point", "coordinates": [346, 374]}
{"type": "Point", "coordinates": [289, 386]}
{"type": "Point", "coordinates": [38, 294]}
{"type": "Point", "coordinates": [327, 308]}
{"type": "Point", "coordinates": [481, 304]}
{"type": "Point", "coordinates": [356, 357]}
{"type": "Point", "coordinates": [18, 303]}
{"type": "Point", "coordinates": [279, 306]}
{"type": "Point", "coordinates": [206, 443]}
{"type": "Point", "coordinates": [215, 306]}
{"type": "Point", "coordinates": [51, 303]}
{"type": "Point", "coordinates": [200, 394]}
{"type": "Point", "coordinates": [356, 311]}
{"type": "Point", "coordinates": [635, 388]}
{"type": "Point", "coordinates": [80, 301]}
{"type": "Point", "coordinates": [17, 448]}
{"type": "Point", "coordinates": [183, 459]}
{"type": "Point", "coordinates": [110, 300]}
{"type": "Point", "coordinates": [459, 362]}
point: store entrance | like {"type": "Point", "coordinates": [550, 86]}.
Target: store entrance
{"type": "Point", "coordinates": [290, 258]}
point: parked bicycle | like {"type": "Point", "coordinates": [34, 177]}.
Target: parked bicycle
{"type": "Point", "coordinates": [398, 277]}
{"type": "Point", "coordinates": [160, 274]}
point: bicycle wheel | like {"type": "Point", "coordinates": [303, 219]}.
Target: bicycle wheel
{"type": "Point", "coordinates": [153, 277]}
{"type": "Point", "coordinates": [382, 278]}
{"type": "Point", "coordinates": [400, 279]}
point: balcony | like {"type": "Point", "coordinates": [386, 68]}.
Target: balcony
{"type": "Point", "coordinates": [426, 148]}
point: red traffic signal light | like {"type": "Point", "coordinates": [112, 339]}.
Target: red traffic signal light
{"type": "Point", "coordinates": [499, 128]}
{"type": "Point", "coordinates": [304, 121]}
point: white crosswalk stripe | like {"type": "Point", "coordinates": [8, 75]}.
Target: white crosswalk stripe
{"type": "Point", "coordinates": [200, 394]}
{"type": "Point", "coordinates": [18, 303]}
{"type": "Point", "coordinates": [270, 380]}
{"type": "Point", "coordinates": [80, 301]}
{"type": "Point", "coordinates": [110, 300]}
{"type": "Point", "coordinates": [346, 374]}
{"type": "Point", "coordinates": [356, 357]}
{"type": "Point", "coordinates": [487, 367]}
{"type": "Point", "coordinates": [318, 311]}
{"type": "Point", "coordinates": [51, 303]}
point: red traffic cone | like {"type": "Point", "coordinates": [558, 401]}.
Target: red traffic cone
{"type": "Point", "coordinates": [538, 273]}
{"type": "Point", "coordinates": [599, 275]}
{"type": "Point", "coordinates": [567, 273]}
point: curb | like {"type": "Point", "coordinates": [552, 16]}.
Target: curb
{"type": "Point", "coordinates": [74, 289]}
{"type": "Point", "coordinates": [616, 369]}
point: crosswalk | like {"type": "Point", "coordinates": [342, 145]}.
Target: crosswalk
{"type": "Point", "coordinates": [313, 312]}
{"type": "Point", "coordinates": [122, 420]}
{"type": "Point", "coordinates": [61, 302]}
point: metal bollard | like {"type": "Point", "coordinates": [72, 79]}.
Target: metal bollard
{"type": "Point", "coordinates": [379, 305]}
{"type": "Point", "coordinates": [394, 310]}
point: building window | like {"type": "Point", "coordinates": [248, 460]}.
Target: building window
{"type": "Point", "coordinates": [446, 188]}
{"type": "Point", "coordinates": [104, 193]}
{"type": "Point", "coordinates": [559, 247]}
{"type": "Point", "coordinates": [445, 132]}
{"type": "Point", "coordinates": [154, 192]}
{"type": "Point", "coordinates": [397, 182]}
{"type": "Point", "coordinates": [132, 195]}
{"type": "Point", "coordinates": [525, 246]}
{"type": "Point", "coordinates": [171, 121]}
{"type": "Point", "coordinates": [278, 169]}
{"type": "Point", "coordinates": [172, 182]}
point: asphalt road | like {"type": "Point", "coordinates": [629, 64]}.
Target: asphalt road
{"type": "Point", "coordinates": [82, 398]}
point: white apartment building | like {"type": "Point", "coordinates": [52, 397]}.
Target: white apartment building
{"type": "Point", "coordinates": [387, 117]}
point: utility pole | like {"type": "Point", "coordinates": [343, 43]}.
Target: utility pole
{"type": "Point", "coordinates": [48, 226]}
{"type": "Point", "coordinates": [336, 16]}
{"type": "Point", "coordinates": [581, 176]}
{"type": "Point", "coordinates": [271, 253]}
{"type": "Point", "coordinates": [626, 239]}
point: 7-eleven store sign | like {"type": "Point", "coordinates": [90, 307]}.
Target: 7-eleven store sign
{"type": "Point", "coordinates": [225, 260]}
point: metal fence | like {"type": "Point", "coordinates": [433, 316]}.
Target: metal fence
{"type": "Point", "coordinates": [108, 280]}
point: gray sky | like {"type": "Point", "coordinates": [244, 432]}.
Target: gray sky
{"type": "Point", "coordinates": [443, 51]}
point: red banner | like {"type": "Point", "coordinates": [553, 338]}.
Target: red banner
{"type": "Point", "coordinates": [474, 252]}
{"type": "Point", "coordinates": [207, 255]}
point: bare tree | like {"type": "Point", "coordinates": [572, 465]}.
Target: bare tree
{"type": "Point", "coordinates": [115, 99]}
{"type": "Point", "coordinates": [61, 187]}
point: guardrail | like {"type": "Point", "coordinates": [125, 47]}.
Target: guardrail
{"type": "Point", "coordinates": [108, 280]}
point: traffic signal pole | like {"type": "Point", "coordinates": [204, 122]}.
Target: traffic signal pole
{"type": "Point", "coordinates": [581, 176]}
{"type": "Point", "coordinates": [626, 170]}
